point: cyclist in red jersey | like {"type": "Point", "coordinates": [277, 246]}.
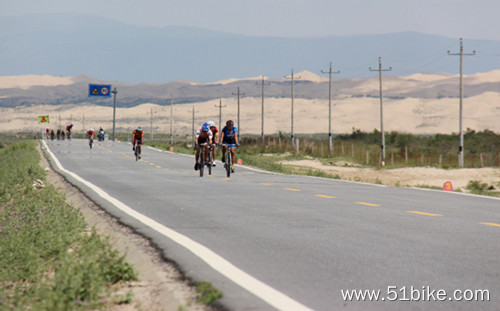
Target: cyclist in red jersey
{"type": "Point", "coordinates": [203, 137]}
{"type": "Point", "coordinates": [215, 135]}
{"type": "Point", "coordinates": [137, 136]}
{"type": "Point", "coordinates": [91, 133]}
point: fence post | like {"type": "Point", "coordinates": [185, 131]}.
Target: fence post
{"type": "Point", "coordinates": [440, 160]}
{"type": "Point", "coordinates": [297, 145]}
{"type": "Point", "coordinates": [352, 150]}
{"type": "Point", "coordinates": [367, 157]}
{"type": "Point", "coordinates": [481, 161]}
{"type": "Point", "coordinates": [406, 154]}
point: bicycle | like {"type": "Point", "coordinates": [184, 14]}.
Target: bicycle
{"type": "Point", "coordinates": [227, 163]}
{"type": "Point", "coordinates": [204, 162]}
{"type": "Point", "coordinates": [91, 142]}
{"type": "Point", "coordinates": [137, 153]}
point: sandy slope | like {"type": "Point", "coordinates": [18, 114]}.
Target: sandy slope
{"type": "Point", "coordinates": [412, 115]}
{"type": "Point", "coordinates": [407, 177]}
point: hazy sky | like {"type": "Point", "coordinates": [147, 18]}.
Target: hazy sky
{"type": "Point", "coordinates": [470, 19]}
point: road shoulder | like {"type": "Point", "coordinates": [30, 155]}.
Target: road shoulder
{"type": "Point", "coordinates": [160, 286]}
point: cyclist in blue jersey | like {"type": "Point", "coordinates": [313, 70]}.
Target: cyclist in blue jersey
{"type": "Point", "coordinates": [229, 135]}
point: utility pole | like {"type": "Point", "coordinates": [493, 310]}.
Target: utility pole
{"type": "Point", "coordinates": [262, 114]}
{"type": "Point", "coordinates": [330, 145]}
{"type": "Point", "coordinates": [151, 124]}
{"type": "Point", "coordinates": [192, 127]}
{"type": "Point", "coordinates": [220, 112]}
{"type": "Point", "coordinates": [83, 129]}
{"type": "Point", "coordinates": [114, 91]}
{"type": "Point", "coordinates": [461, 54]}
{"type": "Point", "coordinates": [238, 93]}
{"type": "Point", "coordinates": [381, 105]}
{"type": "Point", "coordinates": [171, 119]}
{"type": "Point", "coordinates": [293, 79]}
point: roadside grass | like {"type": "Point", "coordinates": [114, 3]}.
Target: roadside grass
{"type": "Point", "coordinates": [477, 187]}
{"type": "Point", "coordinates": [207, 292]}
{"type": "Point", "coordinates": [50, 260]}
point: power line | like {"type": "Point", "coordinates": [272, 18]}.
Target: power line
{"type": "Point", "coordinates": [238, 93]}
{"type": "Point", "coordinates": [262, 113]}
{"type": "Point", "coordinates": [380, 69]}
{"type": "Point", "coordinates": [461, 54]}
{"type": "Point", "coordinates": [330, 72]}
{"type": "Point", "coordinates": [220, 111]}
{"type": "Point", "coordinates": [292, 79]}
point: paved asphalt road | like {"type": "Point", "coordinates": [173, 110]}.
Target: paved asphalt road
{"type": "Point", "coordinates": [272, 241]}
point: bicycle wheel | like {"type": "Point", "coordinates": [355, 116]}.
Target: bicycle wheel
{"type": "Point", "coordinates": [91, 142]}
{"type": "Point", "coordinates": [228, 162]}
{"type": "Point", "coordinates": [209, 162]}
{"type": "Point", "coordinates": [136, 153]}
{"type": "Point", "coordinates": [202, 162]}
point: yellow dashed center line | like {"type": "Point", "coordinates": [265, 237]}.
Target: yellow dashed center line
{"type": "Point", "coordinates": [490, 224]}
{"type": "Point", "coordinates": [325, 196]}
{"type": "Point", "coordinates": [225, 178]}
{"type": "Point", "coordinates": [263, 184]}
{"type": "Point", "coordinates": [158, 166]}
{"type": "Point", "coordinates": [423, 213]}
{"type": "Point", "coordinates": [291, 189]}
{"type": "Point", "coordinates": [367, 204]}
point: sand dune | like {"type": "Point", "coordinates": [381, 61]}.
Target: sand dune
{"type": "Point", "coordinates": [411, 115]}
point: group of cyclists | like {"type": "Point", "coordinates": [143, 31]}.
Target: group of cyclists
{"type": "Point", "coordinates": [207, 137]}
{"type": "Point", "coordinates": [59, 134]}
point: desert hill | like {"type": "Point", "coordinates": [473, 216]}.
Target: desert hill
{"type": "Point", "coordinates": [418, 103]}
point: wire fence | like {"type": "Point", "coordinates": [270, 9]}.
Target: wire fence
{"type": "Point", "coordinates": [370, 155]}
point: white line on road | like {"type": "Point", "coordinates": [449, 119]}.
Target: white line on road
{"type": "Point", "coordinates": [270, 295]}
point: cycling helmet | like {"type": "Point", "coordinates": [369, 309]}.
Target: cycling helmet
{"type": "Point", "coordinates": [92, 130]}
{"type": "Point", "coordinates": [205, 127]}
{"type": "Point", "coordinates": [211, 123]}
{"type": "Point", "coordinates": [229, 122]}
{"type": "Point", "coordinates": [139, 128]}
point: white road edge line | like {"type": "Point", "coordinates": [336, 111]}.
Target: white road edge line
{"type": "Point", "coordinates": [243, 279]}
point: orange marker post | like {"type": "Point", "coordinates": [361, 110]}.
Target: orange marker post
{"type": "Point", "coordinates": [447, 186]}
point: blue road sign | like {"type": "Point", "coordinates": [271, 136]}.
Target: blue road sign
{"type": "Point", "coordinates": [100, 90]}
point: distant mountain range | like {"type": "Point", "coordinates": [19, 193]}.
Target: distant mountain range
{"type": "Point", "coordinates": [74, 45]}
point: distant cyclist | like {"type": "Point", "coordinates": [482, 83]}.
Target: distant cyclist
{"type": "Point", "coordinates": [215, 136]}
{"type": "Point", "coordinates": [229, 135]}
{"type": "Point", "coordinates": [203, 137]}
{"type": "Point", "coordinates": [90, 136]}
{"type": "Point", "coordinates": [137, 136]}
{"type": "Point", "coordinates": [68, 130]}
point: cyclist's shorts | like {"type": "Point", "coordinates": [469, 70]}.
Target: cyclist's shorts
{"type": "Point", "coordinates": [202, 140]}
{"type": "Point", "coordinates": [138, 142]}
{"type": "Point", "coordinates": [229, 141]}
